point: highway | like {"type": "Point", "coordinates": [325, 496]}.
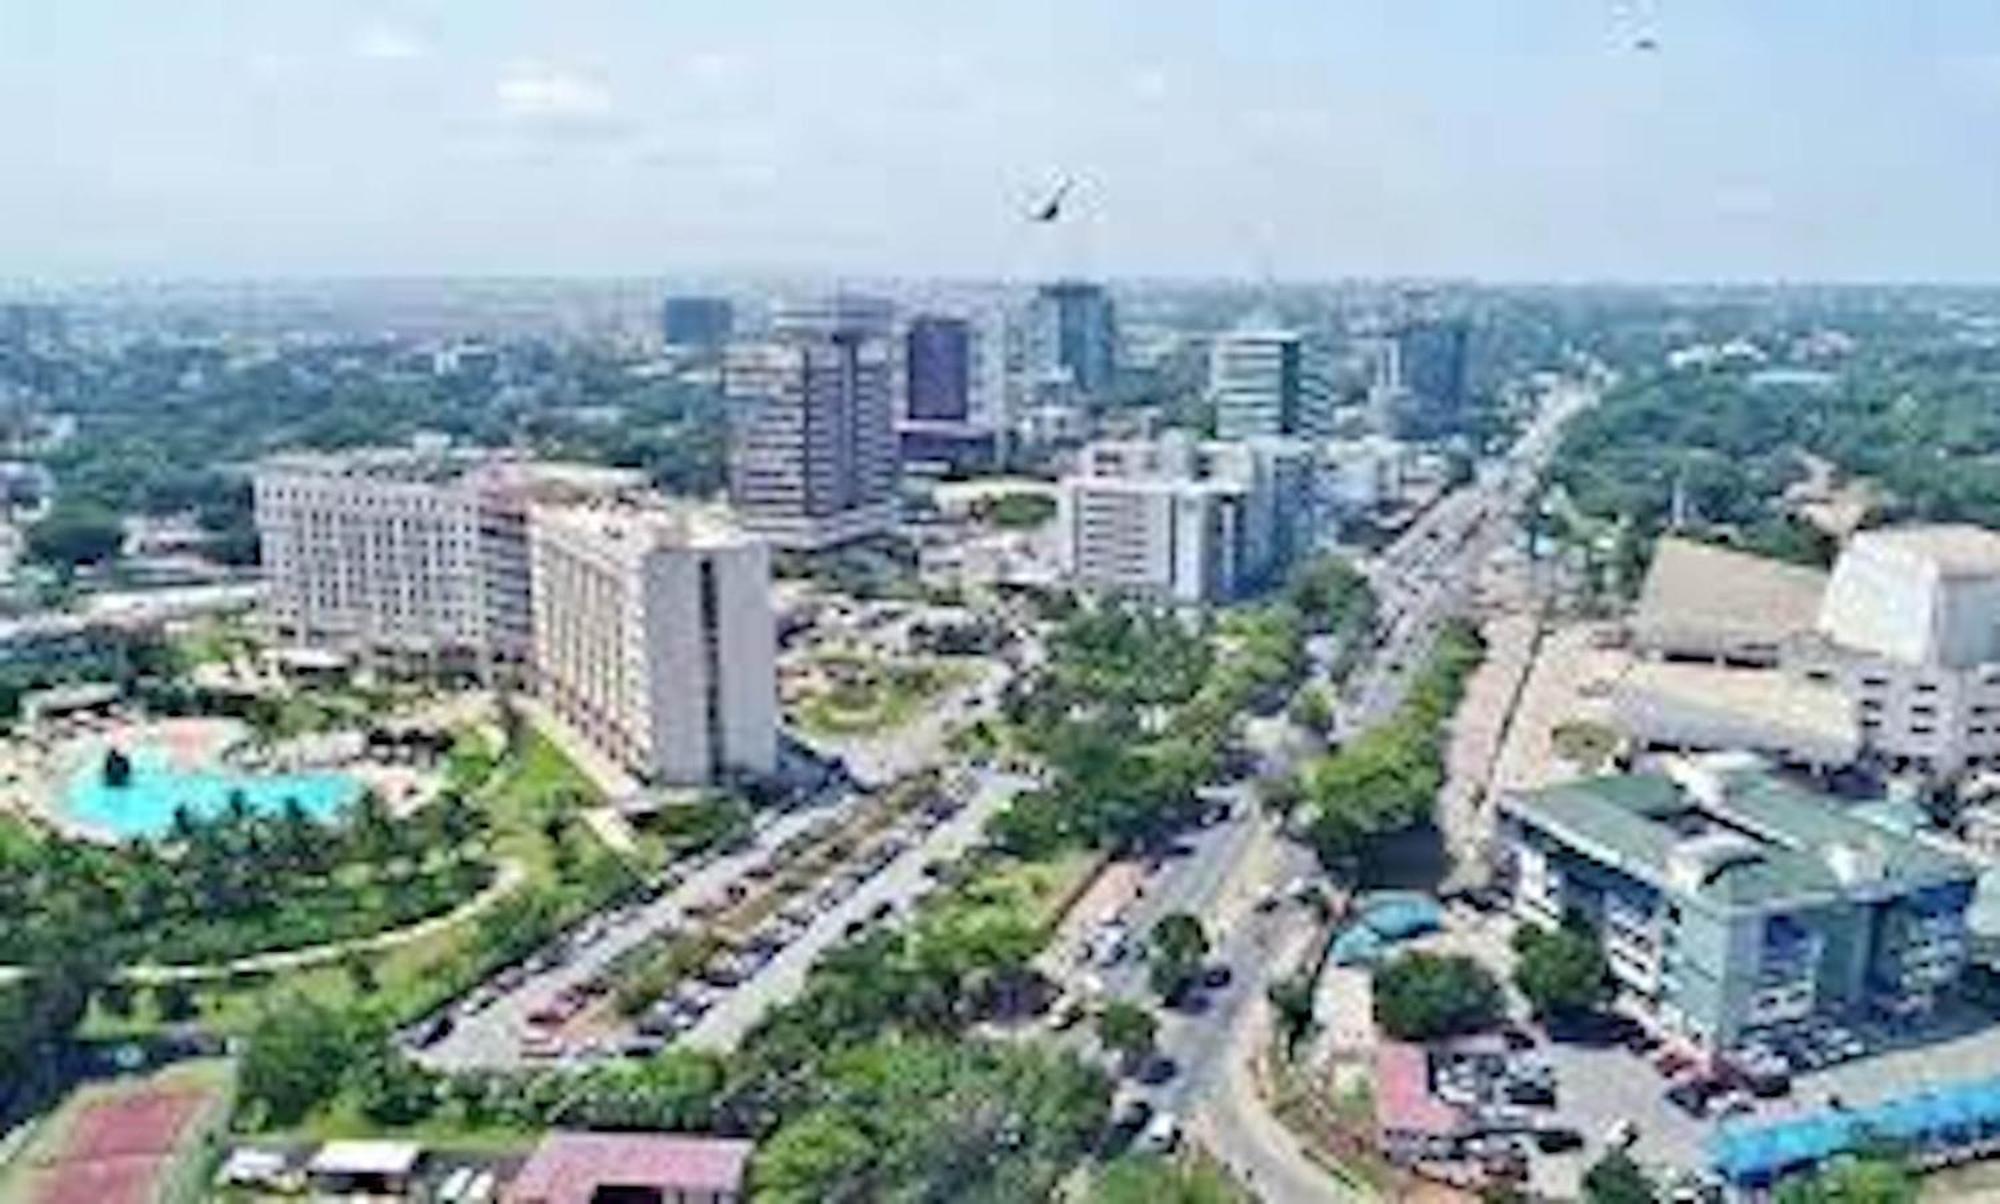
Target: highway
{"type": "Point", "coordinates": [1420, 580]}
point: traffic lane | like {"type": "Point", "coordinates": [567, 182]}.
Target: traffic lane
{"type": "Point", "coordinates": [1187, 882]}
{"type": "Point", "coordinates": [491, 1036]}
{"type": "Point", "coordinates": [897, 884]}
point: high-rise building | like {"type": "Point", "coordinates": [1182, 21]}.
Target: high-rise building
{"type": "Point", "coordinates": [1430, 365]}
{"type": "Point", "coordinates": [953, 391]}
{"type": "Point", "coordinates": [696, 323]}
{"type": "Point", "coordinates": [1265, 383]}
{"type": "Point", "coordinates": [1177, 519]}
{"type": "Point", "coordinates": [415, 555]}
{"type": "Point", "coordinates": [937, 366]}
{"type": "Point", "coordinates": [1074, 331]}
{"type": "Point", "coordinates": [813, 461]}
{"type": "Point", "coordinates": [654, 639]}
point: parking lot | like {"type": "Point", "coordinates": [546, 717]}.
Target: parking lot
{"type": "Point", "coordinates": [832, 878]}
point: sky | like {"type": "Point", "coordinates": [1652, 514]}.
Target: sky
{"type": "Point", "coordinates": [1293, 139]}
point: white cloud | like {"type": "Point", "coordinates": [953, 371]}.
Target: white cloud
{"type": "Point", "coordinates": [385, 44]}
{"type": "Point", "coordinates": [541, 91]}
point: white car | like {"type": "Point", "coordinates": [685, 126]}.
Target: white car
{"type": "Point", "coordinates": [1160, 1136]}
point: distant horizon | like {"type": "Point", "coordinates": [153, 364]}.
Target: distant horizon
{"type": "Point", "coordinates": [23, 288]}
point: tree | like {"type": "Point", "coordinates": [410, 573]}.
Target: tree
{"type": "Point", "coordinates": [1616, 1179]}
{"type": "Point", "coordinates": [1422, 996]}
{"type": "Point", "coordinates": [1127, 1030]}
{"type": "Point", "coordinates": [820, 1156]}
{"type": "Point", "coordinates": [1311, 711]}
{"type": "Point", "coordinates": [1292, 998]}
{"type": "Point", "coordinates": [1179, 945]}
{"type": "Point", "coordinates": [295, 1058]}
{"type": "Point", "coordinates": [76, 533]}
{"type": "Point", "coordinates": [390, 1089]}
{"type": "Point", "coordinates": [117, 768]}
{"type": "Point", "coordinates": [1563, 971]}
{"type": "Point", "coordinates": [360, 971]}
{"type": "Point", "coordinates": [1873, 1178]}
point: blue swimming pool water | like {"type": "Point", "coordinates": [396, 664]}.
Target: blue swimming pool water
{"type": "Point", "coordinates": [145, 805]}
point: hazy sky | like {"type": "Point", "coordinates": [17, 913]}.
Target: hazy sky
{"type": "Point", "coordinates": [1848, 139]}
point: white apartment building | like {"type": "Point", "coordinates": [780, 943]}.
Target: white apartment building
{"type": "Point", "coordinates": [814, 460]}
{"type": "Point", "coordinates": [1910, 630]}
{"type": "Point", "coordinates": [1265, 384]}
{"type": "Point", "coordinates": [655, 640]}
{"type": "Point", "coordinates": [1190, 522]}
{"type": "Point", "coordinates": [412, 555]}
{"type": "Point", "coordinates": [1906, 628]}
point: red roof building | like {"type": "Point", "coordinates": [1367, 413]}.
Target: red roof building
{"type": "Point", "coordinates": [1413, 1122]}
{"type": "Point", "coordinates": [632, 1168]}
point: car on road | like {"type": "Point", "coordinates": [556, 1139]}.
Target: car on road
{"type": "Point", "coordinates": [1155, 1069]}
{"type": "Point", "coordinates": [1161, 1135]}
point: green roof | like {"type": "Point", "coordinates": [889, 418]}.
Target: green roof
{"type": "Point", "coordinates": [1768, 842]}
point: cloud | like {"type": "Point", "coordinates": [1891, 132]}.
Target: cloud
{"type": "Point", "coordinates": [382, 43]}
{"type": "Point", "coordinates": [542, 92]}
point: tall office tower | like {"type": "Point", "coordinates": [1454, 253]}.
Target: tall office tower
{"type": "Point", "coordinates": [1074, 331]}
{"type": "Point", "coordinates": [937, 366]}
{"type": "Point", "coordinates": [655, 640]}
{"type": "Point", "coordinates": [1176, 519]}
{"type": "Point", "coordinates": [1431, 363]}
{"type": "Point", "coordinates": [1266, 383]}
{"type": "Point", "coordinates": [953, 390]}
{"type": "Point", "coordinates": [813, 462]}
{"type": "Point", "coordinates": [696, 323]}
{"type": "Point", "coordinates": [413, 555]}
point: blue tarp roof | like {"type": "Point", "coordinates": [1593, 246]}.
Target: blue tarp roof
{"type": "Point", "coordinates": [1741, 1152]}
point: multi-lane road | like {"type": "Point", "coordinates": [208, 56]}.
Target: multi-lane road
{"type": "Point", "coordinates": [1422, 579]}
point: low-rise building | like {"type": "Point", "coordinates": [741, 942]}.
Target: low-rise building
{"type": "Point", "coordinates": [654, 639]}
{"type": "Point", "coordinates": [631, 1168]}
{"type": "Point", "coordinates": [1907, 628]}
{"type": "Point", "coordinates": [1732, 902]}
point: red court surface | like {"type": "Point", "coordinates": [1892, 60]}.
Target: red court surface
{"type": "Point", "coordinates": [116, 1149]}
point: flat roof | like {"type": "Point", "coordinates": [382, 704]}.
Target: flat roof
{"type": "Point", "coordinates": [1759, 841]}
{"type": "Point", "coordinates": [1954, 549]}
{"type": "Point", "coordinates": [366, 1157]}
{"type": "Point", "coordinates": [1403, 1099]}
{"type": "Point", "coordinates": [1770, 700]}
{"type": "Point", "coordinates": [1727, 592]}
{"type": "Point", "coordinates": [571, 1167]}
{"type": "Point", "coordinates": [637, 529]}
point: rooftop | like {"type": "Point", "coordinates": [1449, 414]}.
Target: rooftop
{"type": "Point", "coordinates": [638, 529]}
{"type": "Point", "coordinates": [1736, 838]}
{"type": "Point", "coordinates": [572, 1167]}
{"type": "Point", "coordinates": [1957, 550]}
{"type": "Point", "coordinates": [1720, 590]}
{"type": "Point", "coordinates": [1760, 707]}
{"type": "Point", "coordinates": [366, 1158]}
{"type": "Point", "coordinates": [1403, 1099]}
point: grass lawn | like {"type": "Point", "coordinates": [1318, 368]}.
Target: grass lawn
{"type": "Point", "coordinates": [412, 978]}
{"type": "Point", "coordinates": [876, 696]}
{"type": "Point", "coordinates": [1039, 890]}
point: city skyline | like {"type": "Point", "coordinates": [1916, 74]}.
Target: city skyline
{"type": "Point", "coordinates": [1276, 139]}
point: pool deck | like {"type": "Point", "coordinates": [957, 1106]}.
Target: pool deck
{"type": "Point", "coordinates": [38, 769]}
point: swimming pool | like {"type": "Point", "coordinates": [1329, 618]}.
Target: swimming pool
{"type": "Point", "coordinates": [145, 804]}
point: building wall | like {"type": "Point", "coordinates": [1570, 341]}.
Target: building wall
{"type": "Point", "coordinates": [658, 650]}
{"type": "Point", "coordinates": [1714, 974]}
{"type": "Point", "coordinates": [369, 565]}
{"type": "Point", "coordinates": [814, 459]}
